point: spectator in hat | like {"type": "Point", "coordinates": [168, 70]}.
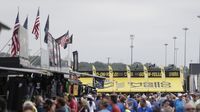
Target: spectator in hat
{"type": "Point", "coordinates": [179, 103]}
{"type": "Point", "coordinates": [143, 106]}
{"type": "Point", "coordinates": [91, 104]}
{"type": "Point", "coordinates": [166, 107]}
{"type": "Point", "coordinates": [83, 105]}
{"type": "Point", "coordinates": [132, 103]}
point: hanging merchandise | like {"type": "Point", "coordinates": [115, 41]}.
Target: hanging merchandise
{"type": "Point", "coordinates": [75, 90]}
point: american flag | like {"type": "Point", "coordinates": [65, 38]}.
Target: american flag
{"type": "Point", "coordinates": [36, 26]}
{"type": "Point", "coordinates": [15, 38]}
{"type": "Point", "coordinates": [63, 39]}
{"type": "Point", "coordinates": [68, 41]}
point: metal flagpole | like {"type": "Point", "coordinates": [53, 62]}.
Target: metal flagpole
{"type": "Point", "coordinates": [40, 41]}
{"type": "Point", "coordinates": [166, 54]}
{"type": "Point", "coordinates": [69, 61]}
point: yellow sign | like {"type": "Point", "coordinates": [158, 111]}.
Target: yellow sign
{"type": "Point", "coordinates": [87, 81]}
{"type": "Point", "coordinates": [141, 85]}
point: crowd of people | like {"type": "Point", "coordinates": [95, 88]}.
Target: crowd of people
{"type": "Point", "coordinates": [160, 102]}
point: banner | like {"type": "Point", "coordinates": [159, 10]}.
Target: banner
{"type": "Point", "coordinates": [145, 72]}
{"type": "Point", "coordinates": [53, 50]}
{"type": "Point", "coordinates": [141, 85]}
{"type": "Point", "coordinates": [24, 48]}
{"type": "Point", "coordinates": [162, 71]}
{"type": "Point", "coordinates": [128, 75]}
{"type": "Point", "coordinates": [94, 70]}
{"type": "Point", "coordinates": [75, 61]}
{"type": "Point", "coordinates": [110, 73]}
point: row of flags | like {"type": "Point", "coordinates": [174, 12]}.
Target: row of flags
{"type": "Point", "coordinates": [62, 41]}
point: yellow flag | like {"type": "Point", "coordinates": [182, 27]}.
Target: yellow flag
{"type": "Point", "coordinates": [182, 74]}
{"type": "Point", "coordinates": [128, 74]}
{"type": "Point", "coordinates": [94, 72]}
{"type": "Point", "coordinates": [145, 72]}
{"type": "Point", "coordinates": [110, 73]}
{"type": "Point", "coordinates": [162, 71]}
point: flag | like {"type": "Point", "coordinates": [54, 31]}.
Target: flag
{"type": "Point", "coordinates": [36, 27]}
{"type": "Point", "coordinates": [26, 23]}
{"type": "Point", "coordinates": [68, 41]}
{"type": "Point", "coordinates": [94, 72]}
{"type": "Point", "coordinates": [62, 39]}
{"type": "Point", "coordinates": [128, 74]}
{"type": "Point", "coordinates": [145, 72]}
{"type": "Point", "coordinates": [46, 30]}
{"type": "Point", "coordinates": [162, 71]}
{"type": "Point", "coordinates": [15, 38]}
{"type": "Point", "coordinates": [110, 73]}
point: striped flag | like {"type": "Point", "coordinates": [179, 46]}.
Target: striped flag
{"type": "Point", "coordinates": [62, 39]}
{"type": "Point", "coordinates": [15, 38]}
{"type": "Point", "coordinates": [68, 41]}
{"type": "Point", "coordinates": [36, 27]}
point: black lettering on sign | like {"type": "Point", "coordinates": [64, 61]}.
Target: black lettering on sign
{"type": "Point", "coordinates": [172, 73]}
{"type": "Point", "coordinates": [154, 74]}
{"type": "Point", "coordinates": [165, 84]}
{"type": "Point", "coordinates": [148, 84]}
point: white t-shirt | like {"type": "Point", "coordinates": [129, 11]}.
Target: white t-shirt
{"type": "Point", "coordinates": [92, 107]}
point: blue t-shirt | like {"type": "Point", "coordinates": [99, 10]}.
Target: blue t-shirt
{"type": "Point", "coordinates": [179, 105]}
{"type": "Point", "coordinates": [145, 109]}
{"type": "Point", "coordinates": [132, 104]}
{"type": "Point", "coordinates": [104, 110]}
{"type": "Point", "coordinates": [109, 107]}
{"type": "Point", "coordinates": [121, 106]}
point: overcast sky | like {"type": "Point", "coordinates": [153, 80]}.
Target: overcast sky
{"type": "Point", "coordinates": [102, 28]}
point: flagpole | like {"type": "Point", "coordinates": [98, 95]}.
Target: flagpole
{"type": "Point", "coordinates": [59, 57]}
{"type": "Point", "coordinates": [40, 41]}
{"type": "Point", "coordinates": [18, 52]}
{"type": "Point", "coordinates": [69, 62]}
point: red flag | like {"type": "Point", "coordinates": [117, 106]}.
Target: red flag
{"type": "Point", "coordinates": [36, 26]}
{"type": "Point", "coordinates": [15, 38]}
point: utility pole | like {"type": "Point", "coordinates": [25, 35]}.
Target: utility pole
{"type": "Point", "coordinates": [176, 55]}
{"type": "Point", "coordinates": [166, 54]}
{"type": "Point", "coordinates": [108, 60]}
{"type": "Point", "coordinates": [199, 45]}
{"type": "Point", "coordinates": [174, 50]}
{"type": "Point", "coordinates": [185, 29]}
{"type": "Point", "coordinates": [131, 37]}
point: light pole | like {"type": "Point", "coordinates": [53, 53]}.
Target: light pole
{"type": "Point", "coordinates": [174, 50]}
{"type": "Point", "coordinates": [166, 54]}
{"type": "Point", "coordinates": [108, 60]}
{"type": "Point", "coordinates": [185, 29]}
{"type": "Point", "coordinates": [176, 55]}
{"type": "Point", "coordinates": [131, 37]}
{"type": "Point", "coordinates": [199, 45]}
